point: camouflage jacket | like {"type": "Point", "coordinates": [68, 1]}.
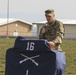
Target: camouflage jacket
{"type": "Point", "coordinates": [53, 32]}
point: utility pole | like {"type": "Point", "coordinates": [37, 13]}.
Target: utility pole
{"type": "Point", "coordinates": [7, 17]}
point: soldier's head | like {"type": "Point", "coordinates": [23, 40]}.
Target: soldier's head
{"type": "Point", "coordinates": [49, 14]}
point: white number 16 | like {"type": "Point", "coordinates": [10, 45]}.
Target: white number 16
{"type": "Point", "coordinates": [30, 46]}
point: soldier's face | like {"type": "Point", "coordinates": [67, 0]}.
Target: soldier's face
{"type": "Point", "coordinates": [50, 18]}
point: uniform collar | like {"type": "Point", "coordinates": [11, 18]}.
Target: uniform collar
{"type": "Point", "coordinates": [52, 23]}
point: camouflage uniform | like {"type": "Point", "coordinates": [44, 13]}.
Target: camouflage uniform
{"type": "Point", "coordinates": [53, 32]}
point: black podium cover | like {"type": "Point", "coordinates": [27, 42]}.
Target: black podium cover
{"type": "Point", "coordinates": [33, 57]}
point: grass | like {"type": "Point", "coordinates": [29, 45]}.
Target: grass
{"type": "Point", "coordinates": [68, 46]}
{"type": "Point", "coordinates": [5, 43]}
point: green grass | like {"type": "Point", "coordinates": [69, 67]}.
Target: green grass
{"type": "Point", "coordinates": [68, 46]}
{"type": "Point", "coordinates": [5, 43]}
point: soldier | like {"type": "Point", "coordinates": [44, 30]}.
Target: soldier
{"type": "Point", "coordinates": [53, 31]}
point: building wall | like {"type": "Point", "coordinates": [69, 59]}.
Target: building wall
{"type": "Point", "coordinates": [38, 29]}
{"type": "Point", "coordinates": [16, 28]}
{"type": "Point", "coordinates": [70, 32]}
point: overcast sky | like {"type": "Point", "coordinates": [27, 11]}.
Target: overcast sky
{"type": "Point", "coordinates": [33, 10]}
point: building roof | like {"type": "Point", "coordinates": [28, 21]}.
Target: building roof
{"type": "Point", "coordinates": [68, 21]}
{"type": "Point", "coordinates": [4, 21]}
{"type": "Point", "coordinates": [64, 21]}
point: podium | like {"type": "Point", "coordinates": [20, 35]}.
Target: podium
{"type": "Point", "coordinates": [34, 57]}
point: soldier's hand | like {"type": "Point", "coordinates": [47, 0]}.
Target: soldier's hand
{"type": "Point", "coordinates": [43, 30]}
{"type": "Point", "coordinates": [52, 45]}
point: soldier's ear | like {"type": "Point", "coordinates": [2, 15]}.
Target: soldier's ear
{"type": "Point", "coordinates": [53, 15]}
